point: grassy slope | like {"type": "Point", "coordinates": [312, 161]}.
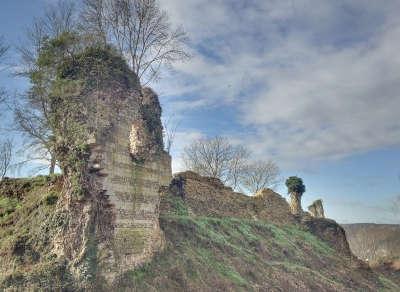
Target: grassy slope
{"type": "Point", "coordinates": [202, 253]}
{"type": "Point", "coordinates": [220, 254]}
{"type": "Point", "coordinates": [28, 223]}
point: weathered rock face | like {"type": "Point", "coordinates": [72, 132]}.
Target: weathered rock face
{"type": "Point", "coordinates": [329, 231]}
{"type": "Point", "coordinates": [131, 182]}
{"type": "Point", "coordinates": [116, 228]}
{"type": "Point", "coordinates": [295, 203]}
{"type": "Point", "coordinates": [316, 209]}
{"type": "Point", "coordinates": [146, 136]}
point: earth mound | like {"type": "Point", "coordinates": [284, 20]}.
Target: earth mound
{"type": "Point", "coordinates": [235, 244]}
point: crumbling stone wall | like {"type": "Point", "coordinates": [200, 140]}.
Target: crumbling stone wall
{"type": "Point", "coordinates": [206, 196]}
{"type": "Point", "coordinates": [115, 227]}
{"type": "Point", "coordinates": [131, 177]}
{"type": "Point", "coordinates": [316, 209]}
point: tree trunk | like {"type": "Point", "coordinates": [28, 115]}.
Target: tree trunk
{"type": "Point", "coordinates": [295, 203]}
{"type": "Point", "coordinates": [52, 164]}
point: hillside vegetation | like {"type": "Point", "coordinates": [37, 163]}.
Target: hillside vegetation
{"type": "Point", "coordinates": [229, 254]}
{"type": "Point", "coordinates": [202, 253]}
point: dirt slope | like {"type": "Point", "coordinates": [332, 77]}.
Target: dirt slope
{"type": "Point", "coordinates": [235, 254]}
{"type": "Point", "coordinates": [207, 248]}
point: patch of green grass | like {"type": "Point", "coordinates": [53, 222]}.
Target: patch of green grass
{"type": "Point", "coordinates": [28, 219]}
{"type": "Point", "coordinates": [307, 238]}
{"type": "Point", "coordinates": [221, 267]}
{"type": "Point", "coordinates": [51, 198]}
{"type": "Point", "coordinates": [178, 206]}
{"type": "Point", "coordinates": [8, 206]}
{"type": "Point", "coordinates": [388, 285]}
{"type": "Point", "coordinates": [231, 252]}
{"type": "Point", "coordinates": [316, 275]}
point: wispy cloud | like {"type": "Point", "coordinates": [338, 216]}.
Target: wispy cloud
{"type": "Point", "coordinates": [313, 79]}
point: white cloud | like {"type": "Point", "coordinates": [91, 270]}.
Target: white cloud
{"type": "Point", "coordinates": [336, 103]}
{"type": "Point", "coordinates": [313, 79]}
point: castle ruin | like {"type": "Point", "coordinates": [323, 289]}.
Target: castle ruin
{"type": "Point", "coordinates": [317, 209]}
{"type": "Point", "coordinates": [114, 226]}
{"type": "Point", "coordinates": [130, 165]}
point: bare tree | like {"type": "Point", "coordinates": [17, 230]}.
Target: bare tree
{"type": "Point", "coordinates": [237, 166]}
{"type": "Point", "coordinates": [260, 175]}
{"type": "Point", "coordinates": [59, 17]}
{"type": "Point", "coordinates": [3, 47]}
{"type": "Point", "coordinates": [216, 157]}
{"type": "Point", "coordinates": [169, 133]}
{"type": "Point", "coordinates": [31, 113]}
{"type": "Point", "coordinates": [5, 158]}
{"type": "Point", "coordinates": [6, 147]}
{"type": "Point", "coordinates": [140, 30]}
{"type": "Point", "coordinates": [3, 50]}
{"type": "Point", "coordinates": [34, 125]}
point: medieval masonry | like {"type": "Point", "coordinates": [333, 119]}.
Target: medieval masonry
{"type": "Point", "coordinates": [114, 227]}
{"type": "Point", "coordinates": [130, 165]}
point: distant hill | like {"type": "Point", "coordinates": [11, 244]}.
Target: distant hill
{"type": "Point", "coordinates": [375, 243]}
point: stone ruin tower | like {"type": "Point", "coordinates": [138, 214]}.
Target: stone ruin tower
{"type": "Point", "coordinates": [130, 166]}
{"type": "Point", "coordinates": [115, 227]}
{"type": "Point", "coordinates": [316, 209]}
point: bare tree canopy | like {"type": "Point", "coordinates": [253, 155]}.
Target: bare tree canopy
{"type": "Point", "coordinates": [3, 50]}
{"type": "Point", "coordinates": [31, 111]}
{"type": "Point", "coordinates": [5, 157]}
{"type": "Point", "coordinates": [34, 126]}
{"type": "Point", "coordinates": [217, 157]}
{"type": "Point", "coordinates": [59, 17]}
{"type": "Point", "coordinates": [209, 157]}
{"type": "Point", "coordinates": [169, 133]}
{"type": "Point", "coordinates": [260, 175]}
{"type": "Point", "coordinates": [140, 30]}
{"type": "Point", "coordinates": [3, 47]}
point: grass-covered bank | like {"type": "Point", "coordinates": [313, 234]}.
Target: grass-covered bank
{"type": "Point", "coordinates": [28, 223]}
{"type": "Point", "coordinates": [201, 253]}
{"type": "Point", "coordinates": [236, 254]}
{"type": "Point", "coordinates": [230, 254]}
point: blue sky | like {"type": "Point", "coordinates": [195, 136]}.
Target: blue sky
{"type": "Point", "coordinates": [311, 84]}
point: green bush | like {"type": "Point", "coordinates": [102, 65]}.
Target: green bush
{"type": "Point", "coordinates": [295, 185]}
{"type": "Point", "coordinates": [51, 198]}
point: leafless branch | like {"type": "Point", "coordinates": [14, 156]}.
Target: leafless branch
{"type": "Point", "coordinates": [3, 50]}
{"type": "Point", "coordinates": [58, 17]}
{"type": "Point", "coordinates": [169, 133]}
{"type": "Point", "coordinates": [218, 158]}
{"type": "Point", "coordinates": [3, 47]}
{"type": "Point", "coordinates": [34, 125]}
{"type": "Point", "coordinates": [140, 30]}
{"type": "Point", "coordinates": [259, 175]}
{"type": "Point", "coordinates": [5, 157]}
